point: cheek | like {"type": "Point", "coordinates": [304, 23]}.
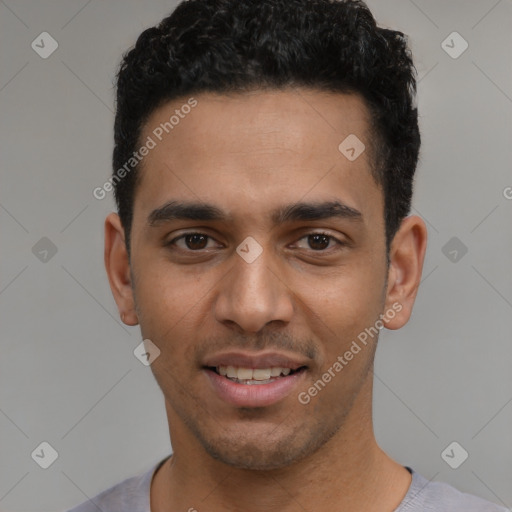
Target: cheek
{"type": "Point", "coordinates": [343, 304]}
{"type": "Point", "coordinates": [168, 300]}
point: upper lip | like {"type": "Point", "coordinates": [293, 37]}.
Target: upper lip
{"type": "Point", "coordinates": [254, 360]}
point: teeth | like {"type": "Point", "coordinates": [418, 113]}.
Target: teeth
{"type": "Point", "coordinates": [259, 374]}
{"type": "Point", "coordinates": [244, 374]}
{"type": "Point", "coordinates": [230, 371]}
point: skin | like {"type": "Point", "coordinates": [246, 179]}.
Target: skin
{"type": "Point", "coordinates": [250, 154]}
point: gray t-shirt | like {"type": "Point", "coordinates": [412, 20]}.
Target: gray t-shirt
{"type": "Point", "coordinates": [132, 495]}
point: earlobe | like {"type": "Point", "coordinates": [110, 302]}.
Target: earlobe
{"type": "Point", "coordinates": [406, 256]}
{"type": "Point", "coordinates": [117, 266]}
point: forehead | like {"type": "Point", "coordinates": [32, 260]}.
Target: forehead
{"type": "Point", "coordinates": [256, 150]}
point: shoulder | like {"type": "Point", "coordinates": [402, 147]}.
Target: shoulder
{"type": "Point", "coordinates": [428, 496]}
{"type": "Point", "coordinates": [131, 494]}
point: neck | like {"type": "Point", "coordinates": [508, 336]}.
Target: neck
{"type": "Point", "coordinates": [350, 473]}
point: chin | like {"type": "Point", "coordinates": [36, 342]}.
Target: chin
{"type": "Point", "coordinates": [264, 452]}
{"type": "Point", "coordinates": [253, 457]}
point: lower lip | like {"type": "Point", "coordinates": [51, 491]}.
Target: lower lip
{"type": "Point", "coordinates": [253, 395]}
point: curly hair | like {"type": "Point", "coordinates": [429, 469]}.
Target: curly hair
{"type": "Point", "coordinates": [226, 46]}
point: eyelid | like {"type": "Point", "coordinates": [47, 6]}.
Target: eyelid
{"type": "Point", "coordinates": [340, 243]}
{"type": "Point", "coordinates": [188, 233]}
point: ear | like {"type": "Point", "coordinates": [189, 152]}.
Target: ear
{"type": "Point", "coordinates": [406, 256]}
{"type": "Point", "coordinates": [117, 265]}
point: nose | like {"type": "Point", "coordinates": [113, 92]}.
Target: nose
{"type": "Point", "coordinates": [253, 295]}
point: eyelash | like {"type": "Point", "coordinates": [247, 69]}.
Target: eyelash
{"type": "Point", "coordinates": [338, 242]}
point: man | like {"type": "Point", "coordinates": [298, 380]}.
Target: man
{"type": "Point", "coordinates": [263, 168]}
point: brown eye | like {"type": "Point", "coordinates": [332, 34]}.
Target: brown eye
{"type": "Point", "coordinates": [318, 241]}
{"type": "Point", "coordinates": [196, 241]}
{"type": "Point", "coordinates": [192, 242]}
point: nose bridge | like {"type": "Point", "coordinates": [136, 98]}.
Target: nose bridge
{"type": "Point", "coordinates": [255, 280]}
{"type": "Point", "coordinates": [252, 295]}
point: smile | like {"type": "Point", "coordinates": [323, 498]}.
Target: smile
{"type": "Point", "coordinates": [251, 376]}
{"type": "Point", "coordinates": [253, 387]}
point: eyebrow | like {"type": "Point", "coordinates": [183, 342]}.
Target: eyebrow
{"type": "Point", "coordinates": [315, 211]}
{"type": "Point", "coordinates": [302, 211]}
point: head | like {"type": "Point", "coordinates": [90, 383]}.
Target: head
{"type": "Point", "coordinates": [243, 107]}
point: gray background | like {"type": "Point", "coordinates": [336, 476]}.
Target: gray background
{"type": "Point", "coordinates": [68, 375]}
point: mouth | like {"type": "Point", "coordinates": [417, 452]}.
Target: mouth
{"type": "Point", "coordinates": [249, 380]}
{"type": "Point", "coordinates": [254, 376]}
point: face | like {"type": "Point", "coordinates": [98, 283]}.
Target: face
{"type": "Point", "coordinates": [258, 250]}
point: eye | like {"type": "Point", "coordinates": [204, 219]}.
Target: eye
{"type": "Point", "coordinates": [320, 241]}
{"type": "Point", "coordinates": [195, 241]}
{"type": "Point", "coordinates": [191, 241]}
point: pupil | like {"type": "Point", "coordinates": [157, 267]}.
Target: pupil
{"type": "Point", "coordinates": [318, 241]}
{"type": "Point", "coordinates": [196, 241]}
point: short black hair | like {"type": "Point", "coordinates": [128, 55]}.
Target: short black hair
{"type": "Point", "coordinates": [227, 46]}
